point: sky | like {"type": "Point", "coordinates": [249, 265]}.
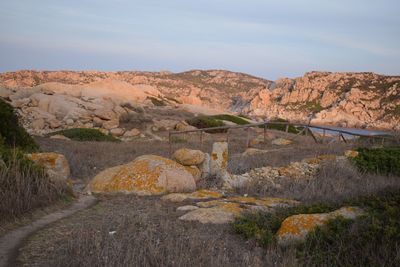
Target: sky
{"type": "Point", "coordinates": [266, 38]}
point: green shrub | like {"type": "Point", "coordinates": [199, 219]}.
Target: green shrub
{"type": "Point", "coordinates": [370, 240]}
{"type": "Point", "coordinates": [12, 134]}
{"type": "Point", "coordinates": [206, 122]}
{"type": "Point", "coordinates": [259, 226]}
{"type": "Point", "coordinates": [378, 160]}
{"type": "Point", "coordinates": [84, 134]}
{"type": "Point", "coordinates": [25, 186]}
{"type": "Point", "coordinates": [262, 226]}
{"type": "Point", "coordinates": [232, 118]}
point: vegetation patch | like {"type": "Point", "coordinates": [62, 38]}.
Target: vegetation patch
{"type": "Point", "coordinates": [379, 160]}
{"type": "Point", "coordinates": [206, 122]}
{"type": "Point", "coordinates": [12, 134]}
{"type": "Point", "coordinates": [262, 226]}
{"type": "Point", "coordinates": [369, 240]}
{"type": "Point", "coordinates": [235, 119]}
{"type": "Point", "coordinates": [25, 186]}
{"type": "Point", "coordinates": [84, 134]}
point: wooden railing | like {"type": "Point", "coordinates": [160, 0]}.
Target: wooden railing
{"type": "Point", "coordinates": [303, 129]}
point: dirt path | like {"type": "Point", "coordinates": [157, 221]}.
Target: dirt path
{"type": "Point", "coordinates": [10, 242]}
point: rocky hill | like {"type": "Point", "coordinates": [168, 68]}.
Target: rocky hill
{"type": "Point", "coordinates": [346, 99]}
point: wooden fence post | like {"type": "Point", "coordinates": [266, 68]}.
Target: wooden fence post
{"type": "Point", "coordinates": [170, 144]}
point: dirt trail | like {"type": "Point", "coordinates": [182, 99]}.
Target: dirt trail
{"type": "Point", "coordinates": [10, 242]}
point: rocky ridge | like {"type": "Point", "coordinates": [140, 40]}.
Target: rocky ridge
{"type": "Point", "coordinates": [364, 100]}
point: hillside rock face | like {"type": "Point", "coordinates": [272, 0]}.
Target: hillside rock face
{"type": "Point", "coordinates": [343, 99]}
{"type": "Point", "coordinates": [365, 100]}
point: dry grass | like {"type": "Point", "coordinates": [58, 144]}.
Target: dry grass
{"type": "Point", "coordinates": [25, 187]}
{"type": "Point", "coordinates": [336, 181]}
{"type": "Point", "coordinates": [147, 233]}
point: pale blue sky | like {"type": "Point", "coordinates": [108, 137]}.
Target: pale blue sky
{"type": "Point", "coordinates": [262, 37]}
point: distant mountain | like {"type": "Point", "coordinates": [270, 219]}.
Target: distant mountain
{"type": "Point", "coordinates": [345, 99]}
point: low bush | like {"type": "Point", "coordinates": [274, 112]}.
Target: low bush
{"type": "Point", "coordinates": [12, 134]}
{"type": "Point", "coordinates": [24, 186]}
{"type": "Point", "coordinates": [231, 118]}
{"type": "Point", "coordinates": [369, 240]}
{"type": "Point", "coordinates": [206, 122]}
{"type": "Point", "coordinates": [379, 160]}
{"type": "Point", "coordinates": [372, 240]}
{"type": "Point", "coordinates": [84, 134]}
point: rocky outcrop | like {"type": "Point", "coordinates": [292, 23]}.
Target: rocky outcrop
{"type": "Point", "coordinates": [295, 228]}
{"type": "Point", "coordinates": [343, 99]}
{"type": "Point", "coordinates": [146, 175]}
{"type": "Point", "coordinates": [225, 210]}
{"type": "Point", "coordinates": [272, 177]}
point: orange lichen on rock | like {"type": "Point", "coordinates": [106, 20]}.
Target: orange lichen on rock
{"type": "Point", "coordinates": [222, 213]}
{"type": "Point", "coordinates": [146, 175]}
{"type": "Point", "coordinates": [200, 194]}
{"type": "Point", "coordinates": [56, 165]}
{"type": "Point", "coordinates": [351, 153]}
{"type": "Point", "coordinates": [267, 202]}
{"type": "Point", "coordinates": [296, 227]}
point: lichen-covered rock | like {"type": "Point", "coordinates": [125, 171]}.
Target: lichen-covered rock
{"type": "Point", "coordinates": [351, 153]}
{"type": "Point", "coordinates": [219, 214]}
{"type": "Point", "coordinates": [295, 228]}
{"type": "Point", "coordinates": [197, 195]}
{"type": "Point", "coordinates": [195, 172]}
{"type": "Point", "coordinates": [146, 175]}
{"type": "Point", "coordinates": [56, 165]}
{"type": "Point", "coordinates": [225, 210]}
{"type": "Point", "coordinates": [189, 157]}
{"type": "Point", "coordinates": [281, 142]}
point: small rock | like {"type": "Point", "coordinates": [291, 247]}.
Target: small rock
{"type": "Point", "coordinates": [351, 153]}
{"type": "Point", "coordinates": [105, 114]}
{"type": "Point", "coordinates": [189, 157]}
{"type": "Point", "coordinates": [69, 122]}
{"type": "Point", "coordinates": [110, 124]}
{"type": "Point", "coordinates": [187, 208]}
{"type": "Point", "coordinates": [281, 142]}
{"type": "Point", "coordinates": [117, 132]}
{"type": "Point", "coordinates": [132, 133]}
{"type": "Point", "coordinates": [38, 124]}
{"type": "Point", "coordinates": [59, 136]}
